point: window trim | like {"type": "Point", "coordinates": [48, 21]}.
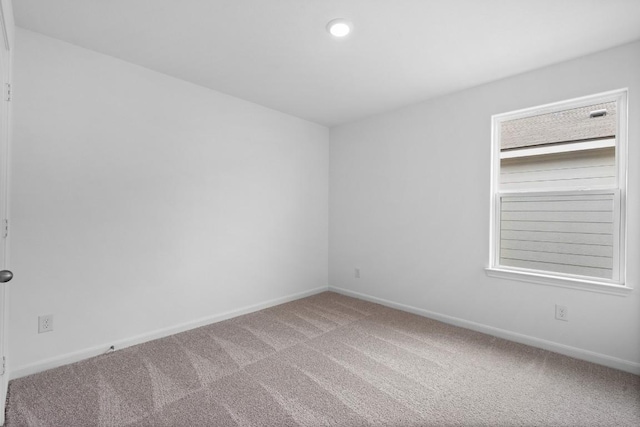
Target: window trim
{"type": "Point", "coordinates": [620, 286]}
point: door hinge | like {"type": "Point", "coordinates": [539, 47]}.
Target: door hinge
{"type": "Point", "coordinates": [7, 92]}
{"type": "Point", "coordinates": [5, 226]}
{"type": "Point", "coordinates": [4, 364]}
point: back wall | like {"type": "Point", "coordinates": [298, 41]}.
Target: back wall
{"type": "Point", "coordinates": [409, 207]}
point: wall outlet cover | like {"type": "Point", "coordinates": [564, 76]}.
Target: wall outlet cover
{"type": "Point", "coordinates": [562, 313]}
{"type": "Point", "coordinates": [45, 323]}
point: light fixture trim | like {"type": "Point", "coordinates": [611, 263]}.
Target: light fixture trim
{"type": "Point", "coordinates": [339, 27]}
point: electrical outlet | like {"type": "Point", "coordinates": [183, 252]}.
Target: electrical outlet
{"type": "Point", "coordinates": [45, 323]}
{"type": "Point", "coordinates": [356, 273]}
{"type": "Point", "coordinates": [562, 313]}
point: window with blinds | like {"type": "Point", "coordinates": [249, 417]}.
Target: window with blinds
{"type": "Point", "coordinates": [558, 190]}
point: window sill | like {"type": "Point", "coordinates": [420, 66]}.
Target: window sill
{"type": "Point", "coordinates": [564, 282]}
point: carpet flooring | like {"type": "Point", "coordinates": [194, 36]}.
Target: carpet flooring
{"type": "Point", "coordinates": [327, 360]}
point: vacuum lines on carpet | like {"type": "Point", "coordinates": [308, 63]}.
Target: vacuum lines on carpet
{"type": "Point", "coordinates": [327, 360]}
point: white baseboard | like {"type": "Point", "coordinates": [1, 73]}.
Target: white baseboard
{"type": "Point", "coordinates": [578, 353]}
{"type": "Point", "coordinates": [601, 359]}
{"type": "Point", "coordinates": [87, 353]}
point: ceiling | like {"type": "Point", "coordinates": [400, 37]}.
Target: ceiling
{"type": "Point", "coordinates": [277, 53]}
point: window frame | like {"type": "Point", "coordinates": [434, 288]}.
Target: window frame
{"type": "Point", "coordinates": [618, 286]}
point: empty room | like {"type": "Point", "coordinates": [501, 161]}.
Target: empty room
{"type": "Point", "coordinates": [320, 213]}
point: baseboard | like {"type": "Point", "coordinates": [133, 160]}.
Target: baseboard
{"type": "Point", "coordinates": [601, 359]}
{"type": "Point", "coordinates": [77, 356]}
{"type": "Point", "coordinates": [578, 353]}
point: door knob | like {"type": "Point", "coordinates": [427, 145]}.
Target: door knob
{"type": "Point", "coordinates": [5, 276]}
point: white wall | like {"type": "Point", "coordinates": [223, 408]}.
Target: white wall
{"type": "Point", "coordinates": [409, 206]}
{"type": "Point", "coordinates": [140, 202]}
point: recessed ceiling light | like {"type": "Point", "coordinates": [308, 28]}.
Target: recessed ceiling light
{"type": "Point", "coordinates": [339, 27]}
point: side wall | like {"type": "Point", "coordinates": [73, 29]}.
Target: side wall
{"type": "Point", "coordinates": [409, 206]}
{"type": "Point", "coordinates": [142, 204]}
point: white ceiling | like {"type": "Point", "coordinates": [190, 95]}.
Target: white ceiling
{"type": "Point", "coordinates": [277, 53]}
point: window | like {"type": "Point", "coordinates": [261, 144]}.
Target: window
{"type": "Point", "coordinates": [558, 193]}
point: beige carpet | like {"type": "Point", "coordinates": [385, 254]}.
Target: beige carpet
{"type": "Point", "coordinates": [327, 360]}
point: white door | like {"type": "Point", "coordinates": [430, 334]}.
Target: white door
{"type": "Point", "coordinates": [5, 275]}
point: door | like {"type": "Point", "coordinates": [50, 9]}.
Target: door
{"type": "Point", "coordinates": [5, 275]}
